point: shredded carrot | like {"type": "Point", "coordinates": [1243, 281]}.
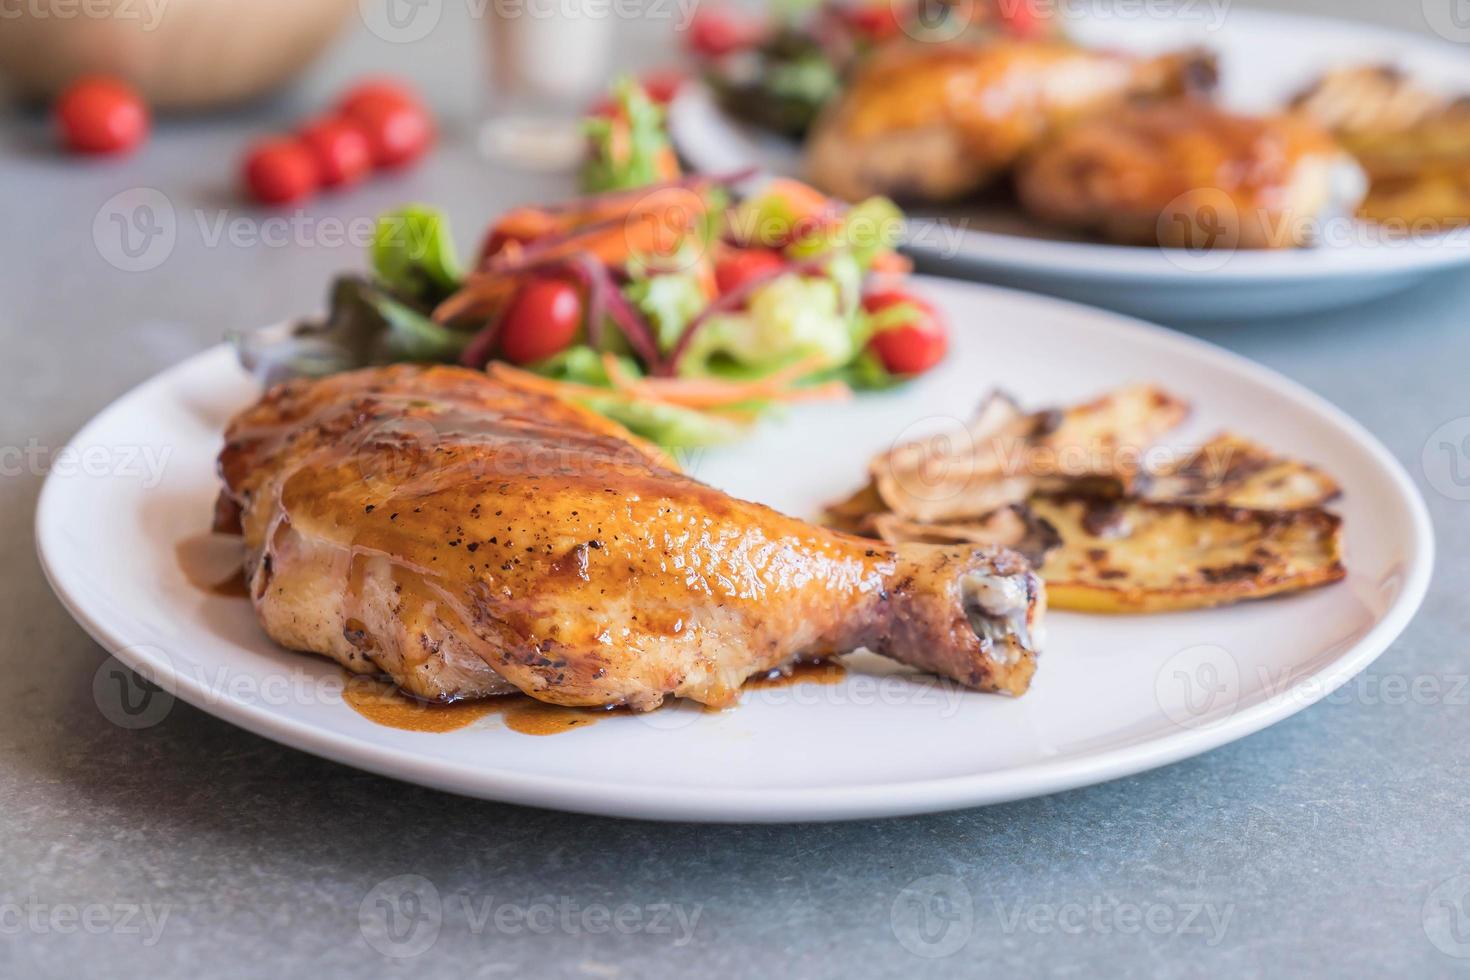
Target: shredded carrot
{"type": "Point", "coordinates": [891, 264]}
{"type": "Point", "coordinates": [804, 199]}
{"type": "Point", "coordinates": [716, 392]}
{"type": "Point", "coordinates": [551, 386]}
{"type": "Point", "coordinates": [620, 379]}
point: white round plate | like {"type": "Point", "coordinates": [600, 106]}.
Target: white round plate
{"type": "Point", "coordinates": [1265, 58]}
{"type": "Point", "coordinates": [1112, 696]}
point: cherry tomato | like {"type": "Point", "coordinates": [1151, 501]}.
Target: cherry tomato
{"type": "Point", "coordinates": [912, 347]}
{"type": "Point", "coordinates": [376, 90]}
{"type": "Point", "coordinates": [715, 33]}
{"type": "Point", "coordinates": [342, 153]}
{"type": "Point", "coordinates": [660, 86]}
{"type": "Point", "coordinates": [1023, 19]}
{"type": "Point", "coordinates": [397, 132]}
{"type": "Point", "coordinates": [542, 320]}
{"type": "Point", "coordinates": [874, 21]}
{"type": "Point", "coordinates": [279, 170]}
{"type": "Point", "coordinates": [101, 115]}
{"type": "Point", "coordinates": [739, 268]}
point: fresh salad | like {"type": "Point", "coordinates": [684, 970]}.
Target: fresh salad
{"type": "Point", "coordinates": [680, 308]}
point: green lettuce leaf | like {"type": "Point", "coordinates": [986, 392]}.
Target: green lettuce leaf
{"type": "Point", "coordinates": [867, 229]}
{"type": "Point", "coordinates": [413, 254]}
{"type": "Point", "coordinates": [669, 302]}
{"type": "Point", "coordinates": [616, 165]}
{"type": "Point", "coordinates": [790, 318]}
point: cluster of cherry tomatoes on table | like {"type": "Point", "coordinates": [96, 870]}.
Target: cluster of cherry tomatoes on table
{"type": "Point", "coordinates": [378, 124]}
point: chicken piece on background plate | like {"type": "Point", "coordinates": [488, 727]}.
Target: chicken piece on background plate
{"type": "Point", "coordinates": [932, 122]}
{"type": "Point", "coordinates": [1187, 174]}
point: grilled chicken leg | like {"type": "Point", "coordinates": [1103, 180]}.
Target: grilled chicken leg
{"type": "Point", "coordinates": [468, 536]}
{"type": "Point", "coordinates": [1190, 175]}
{"type": "Point", "coordinates": [935, 122]}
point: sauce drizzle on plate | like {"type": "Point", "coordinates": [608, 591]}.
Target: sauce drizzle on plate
{"type": "Point", "coordinates": [382, 702]}
{"type": "Point", "coordinates": [801, 672]}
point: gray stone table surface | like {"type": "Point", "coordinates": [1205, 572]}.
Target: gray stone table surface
{"type": "Point", "coordinates": [195, 849]}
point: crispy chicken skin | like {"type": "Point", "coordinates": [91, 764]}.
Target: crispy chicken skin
{"type": "Point", "coordinates": [936, 122]}
{"type": "Point", "coordinates": [469, 537]}
{"type": "Point", "coordinates": [1188, 174]}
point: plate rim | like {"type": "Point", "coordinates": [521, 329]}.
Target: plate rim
{"type": "Point", "coordinates": [798, 804]}
{"type": "Point", "coordinates": [1087, 262]}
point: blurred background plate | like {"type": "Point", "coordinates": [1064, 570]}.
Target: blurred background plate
{"type": "Point", "coordinates": [1265, 59]}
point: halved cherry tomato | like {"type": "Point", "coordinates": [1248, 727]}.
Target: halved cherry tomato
{"type": "Point", "coordinates": [101, 115]}
{"type": "Point", "coordinates": [342, 153]}
{"type": "Point", "coordinates": [914, 346]}
{"type": "Point", "coordinates": [739, 267]}
{"type": "Point", "coordinates": [279, 170]}
{"type": "Point", "coordinates": [397, 126]}
{"type": "Point", "coordinates": [542, 320]}
{"type": "Point", "coordinates": [714, 33]}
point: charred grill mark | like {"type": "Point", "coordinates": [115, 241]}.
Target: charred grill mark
{"type": "Point", "coordinates": [1233, 572]}
{"type": "Point", "coordinates": [1103, 519]}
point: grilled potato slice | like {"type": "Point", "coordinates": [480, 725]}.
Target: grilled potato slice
{"type": "Point", "coordinates": [1105, 439]}
{"type": "Point", "coordinates": [1005, 454]}
{"type": "Point", "coordinates": [854, 514]}
{"type": "Point", "coordinates": [1413, 143]}
{"type": "Point", "coordinates": [1233, 470]}
{"type": "Point", "coordinates": [1016, 527]}
{"type": "Point", "coordinates": [1152, 556]}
